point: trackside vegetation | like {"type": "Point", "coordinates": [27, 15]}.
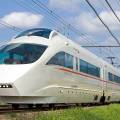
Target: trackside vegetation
{"type": "Point", "coordinates": [110, 112]}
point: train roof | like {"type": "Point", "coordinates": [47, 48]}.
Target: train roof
{"type": "Point", "coordinates": [43, 32]}
{"type": "Point", "coordinates": [50, 34]}
{"type": "Point", "coordinates": [87, 52]}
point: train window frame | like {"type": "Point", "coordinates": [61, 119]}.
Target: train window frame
{"type": "Point", "coordinates": [67, 57]}
{"type": "Point", "coordinates": [17, 53]}
{"type": "Point", "coordinates": [52, 59]}
{"type": "Point", "coordinates": [68, 61]}
{"type": "Point", "coordinates": [76, 64]}
{"type": "Point", "coordinates": [88, 68]}
{"type": "Point", "coordinates": [40, 32]}
{"type": "Point", "coordinates": [110, 76]}
{"type": "Point", "coordinates": [114, 78]}
{"type": "Point", "coordinates": [83, 66]}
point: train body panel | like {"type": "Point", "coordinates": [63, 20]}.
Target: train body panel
{"type": "Point", "coordinates": [49, 78]}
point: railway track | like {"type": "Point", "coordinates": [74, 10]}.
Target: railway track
{"type": "Point", "coordinates": [4, 109]}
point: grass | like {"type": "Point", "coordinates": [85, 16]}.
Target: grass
{"type": "Point", "coordinates": [110, 112]}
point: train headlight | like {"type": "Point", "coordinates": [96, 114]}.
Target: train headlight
{"type": "Point", "coordinates": [5, 86]}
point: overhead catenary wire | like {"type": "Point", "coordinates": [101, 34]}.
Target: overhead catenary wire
{"type": "Point", "coordinates": [105, 25]}
{"type": "Point", "coordinates": [35, 10]}
{"type": "Point", "coordinates": [51, 14]}
{"type": "Point", "coordinates": [9, 26]}
{"type": "Point", "coordinates": [41, 5]}
{"type": "Point", "coordinates": [112, 17]}
{"type": "Point", "coordinates": [104, 46]}
{"type": "Point", "coordinates": [107, 9]}
{"type": "Point", "coordinates": [55, 16]}
{"type": "Point", "coordinates": [112, 10]}
{"type": "Point", "coordinates": [28, 6]}
{"type": "Point", "coordinates": [60, 19]}
{"type": "Point", "coordinates": [17, 29]}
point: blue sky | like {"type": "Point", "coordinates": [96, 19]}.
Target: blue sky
{"type": "Point", "coordinates": [25, 14]}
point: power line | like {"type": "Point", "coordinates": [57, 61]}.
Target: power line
{"type": "Point", "coordinates": [103, 22]}
{"type": "Point", "coordinates": [104, 46]}
{"type": "Point", "coordinates": [53, 14]}
{"type": "Point", "coordinates": [25, 5]}
{"type": "Point", "coordinates": [112, 10]}
{"type": "Point", "coordinates": [40, 4]}
{"type": "Point", "coordinates": [104, 25]}
{"type": "Point", "coordinates": [60, 19]}
{"type": "Point", "coordinates": [14, 28]}
{"type": "Point", "coordinates": [28, 6]}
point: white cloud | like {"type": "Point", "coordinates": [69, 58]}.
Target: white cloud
{"type": "Point", "coordinates": [87, 21]}
{"type": "Point", "coordinates": [23, 19]}
{"type": "Point", "coordinates": [110, 19]}
{"type": "Point", "coordinates": [90, 23]}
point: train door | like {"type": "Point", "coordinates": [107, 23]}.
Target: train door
{"type": "Point", "coordinates": [104, 84]}
{"type": "Point", "coordinates": [76, 64]}
{"type": "Point", "coordinates": [104, 81]}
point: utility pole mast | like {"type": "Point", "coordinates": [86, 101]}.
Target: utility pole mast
{"type": "Point", "coordinates": [111, 59]}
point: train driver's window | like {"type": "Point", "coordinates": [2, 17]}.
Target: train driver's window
{"type": "Point", "coordinates": [21, 53]}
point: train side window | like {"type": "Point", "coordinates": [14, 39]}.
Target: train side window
{"type": "Point", "coordinates": [58, 59]}
{"type": "Point", "coordinates": [83, 66]}
{"type": "Point", "coordinates": [113, 77]}
{"type": "Point", "coordinates": [110, 76]}
{"type": "Point", "coordinates": [93, 70]}
{"type": "Point", "coordinates": [62, 59]}
{"type": "Point", "coordinates": [68, 61]}
{"type": "Point", "coordinates": [116, 78]}
{"type": "Point", "coordinates": [89, 68]}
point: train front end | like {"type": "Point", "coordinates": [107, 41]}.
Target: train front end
{"type": "Point", "coordinates": [21, 71]}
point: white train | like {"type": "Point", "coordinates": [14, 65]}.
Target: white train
{"type": "Point", "coordinates": [41, 66]}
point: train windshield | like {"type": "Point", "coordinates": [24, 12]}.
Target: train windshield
{"type": "Point", "coordinates": [42, 32]}
{"type": "Point", "coordinates": [21, 53]}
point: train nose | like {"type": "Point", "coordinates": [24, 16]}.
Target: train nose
{"type": "Point", "coordinates": [8, 89]}
{"type": "Point", "coordinates": [10, 73]}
